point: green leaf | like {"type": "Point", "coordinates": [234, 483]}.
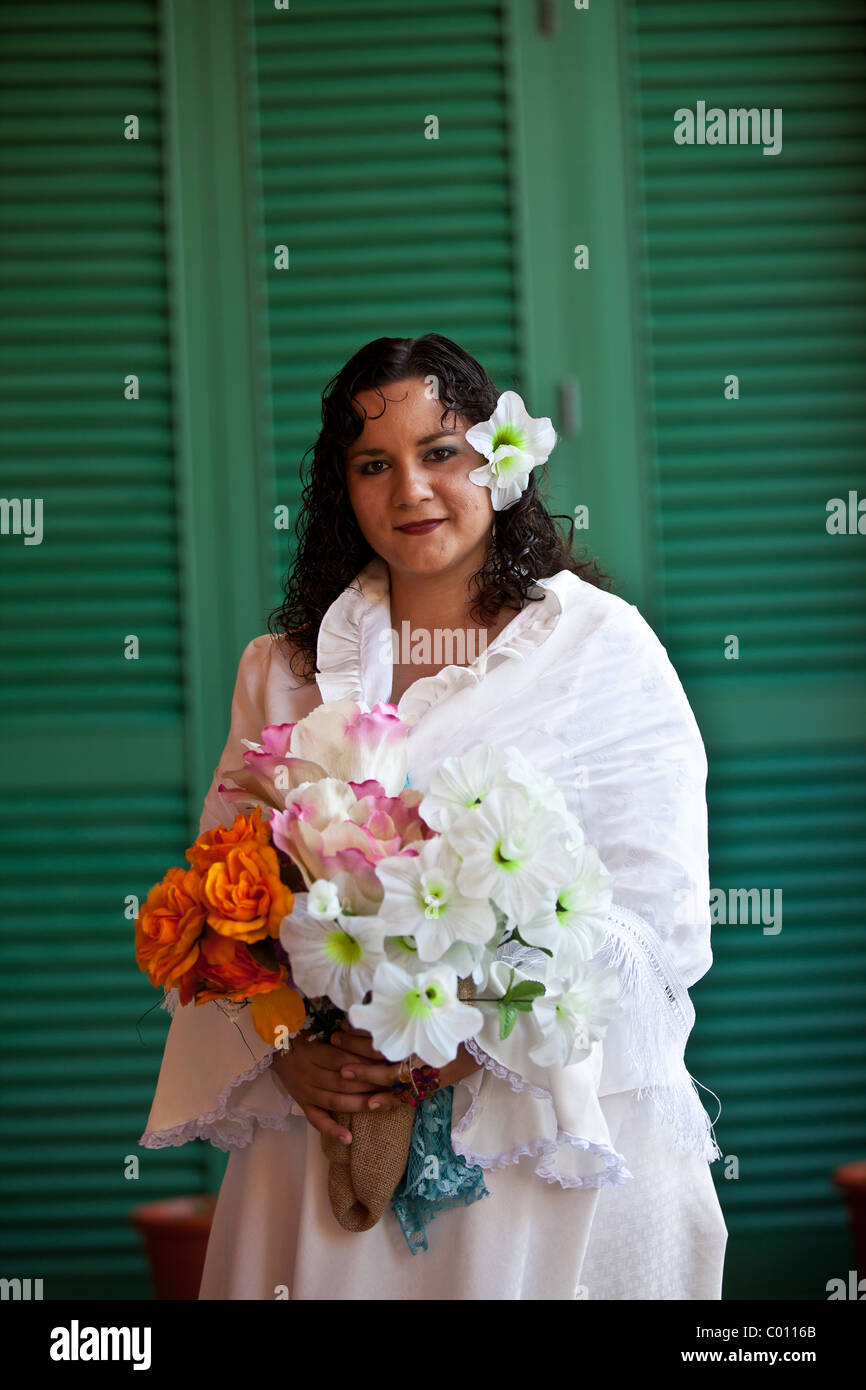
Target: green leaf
{"type": "Point", "coordinates": [507, 1020]}
{"type": "Point", "coordinates": [517, 937]}
{"type": "Point", "coordinates": [527, 989]}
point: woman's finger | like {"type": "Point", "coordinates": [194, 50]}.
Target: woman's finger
{"type": "Point", "coordinates": [341, 1100]}
{"type": "Point", "coordinates": [377, 1074]}
{"type": "Point", "coordinates": [326, 1124]}
{"type": "Point", "coordinates": [325, 1073]}
{"type": "Point", "coordinates": [382, 1100]}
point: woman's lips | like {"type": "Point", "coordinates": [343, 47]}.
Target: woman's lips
{"type": "Point", "coordinates": [420, 528]}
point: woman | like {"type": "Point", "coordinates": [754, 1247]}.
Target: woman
{"type": "Point", "coordinates": [598, 1176]}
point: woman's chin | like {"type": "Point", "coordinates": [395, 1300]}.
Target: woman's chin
{"type": "Point", "coordinates": [422, 559]}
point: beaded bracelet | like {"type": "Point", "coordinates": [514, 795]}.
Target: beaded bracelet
{"type": "Point", "coordinates": [425, 1080]}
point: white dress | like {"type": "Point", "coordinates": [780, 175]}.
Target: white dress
{"type": "Point", "coordinates": [598, 1174]}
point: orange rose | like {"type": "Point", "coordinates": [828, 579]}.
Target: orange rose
{"type": "Point", "coordinates": [244, 895]}
{"type": "Point", "coordinates": [169, 926]}
{"type": "Point", "coordinates": [215, 844]}
{"type": "Point", "coordinates": [229, 970]}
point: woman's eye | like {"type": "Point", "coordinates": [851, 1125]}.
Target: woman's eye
{"type": "Point", "coordinates": [372, 469]}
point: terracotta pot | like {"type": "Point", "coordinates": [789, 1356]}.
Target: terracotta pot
{"type": "Point", "coordinates": [175, 1233]}
{"type": "Point", "coordinates": [851, 1179]}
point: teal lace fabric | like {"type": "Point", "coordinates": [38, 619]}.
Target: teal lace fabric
{"type": "Point", "coordinates": [435, 1178]}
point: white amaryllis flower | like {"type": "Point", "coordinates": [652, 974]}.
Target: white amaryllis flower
{"type": "Point", "coordinates": [513, 444]}
{"type": "Point", "coordinates": [540, 789]}
{"type": "Point", "coordinates": [422, 900]}
{"type": "Point", "coordinates": [508, 855]}
{"type": "Point", "coordinates": [573, 1018]}
{"type": "Point", "coordinates": [418, 1013]}
{"type": "Point", "coordinates": [336, 956]}
{"type": "Point", "coordinates": [403, 951]}
{"type": "Point", "coordinates": [468, 961]}
{"type": "Point", "coordinates": [572, 921]}
{"type": "Point", "coordinates": [459, 784]}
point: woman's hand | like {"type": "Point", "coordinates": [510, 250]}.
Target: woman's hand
{"type": "Point", "coordinates": [310, 1073]}
{"type": "Point", "coordinates": [371, 1066]}
{"type": "Point", "coordinates": [317, 1076]}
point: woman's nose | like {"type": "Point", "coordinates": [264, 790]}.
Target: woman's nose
{"type": "Point", "coordinates": [411, 483]}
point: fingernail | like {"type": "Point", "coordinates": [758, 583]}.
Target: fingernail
{"type": "Point", "coordinates": [346, 1138]}
{"type": "Point", "coordinates": [374, 1104]}
{"type": "Point", "coordinates": [349, 1074]}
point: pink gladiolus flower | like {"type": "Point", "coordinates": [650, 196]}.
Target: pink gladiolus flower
{"type": "Point", "coordinates": [354, 744]}
{"type": "Point", "coordinates": [339, 739]}
{"type": "Point", "coordinates": [329, 834]}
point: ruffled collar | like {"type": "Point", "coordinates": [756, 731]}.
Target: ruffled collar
{"type": "Point", "coordinates": [354, 651]}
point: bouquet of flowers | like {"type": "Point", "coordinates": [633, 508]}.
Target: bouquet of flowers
{"type": "Point", "coordinates": [417, 912]}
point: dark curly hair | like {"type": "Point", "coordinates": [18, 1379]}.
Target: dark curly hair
{"type": "Point", "coordinates": [525, 543]}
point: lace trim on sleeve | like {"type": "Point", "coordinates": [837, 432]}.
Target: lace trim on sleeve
{"type": "Point", "coordinates": [226, 1128]}
{"type": "Point", "coordinates": [515, 1081]}
{"type": "Point", "coordinates": [544, 1149]}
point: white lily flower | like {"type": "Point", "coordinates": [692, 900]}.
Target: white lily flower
{"type": "Point", "coordinates": [417, 1013]}
{"type": "Point", "coordinates": [541, 790]}
{"type": "Point", "coordinates": [334, 956]}
{"type": "Point", "coordinates": [572, 922]}
{"type": "Point", "coordinates": [465, 960]}
{"type": "Point", "coordinates": [423, 901]}
{"type": "Point", "coordinates": [460, 784]}
{"type": "Point", "coordinates": [572, 1019]}
{"type": "Point", "coordinates": [508, 855]}
{"type": "Point", "coordinates": [544, 792]}
{"type": "Point", "coordinates": [513, 443]}
{"type": "Point", "coordinates": [403, 951]}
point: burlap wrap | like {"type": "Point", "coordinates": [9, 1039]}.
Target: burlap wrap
{"type": "Point", "coordinates": [363, 1175]}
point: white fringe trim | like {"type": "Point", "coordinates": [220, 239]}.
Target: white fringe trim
{"type": "Point", "coordinates": [661, 1016]}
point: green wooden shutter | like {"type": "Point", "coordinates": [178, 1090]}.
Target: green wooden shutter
{"type": "Point", "coordinates": [153, 509]}
{"type": "Point", "coordinates": [388, 233]}
{"type": "Point", "coordinates": [752, 264]}
{"type": "Point", "coordinates": [97, 800]}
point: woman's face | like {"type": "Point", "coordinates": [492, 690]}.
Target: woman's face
{"type": "Point", "coordinates": [408, 467]}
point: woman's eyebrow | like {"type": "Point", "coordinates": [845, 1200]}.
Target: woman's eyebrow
{"type": "Point", "coordinates": [427, 439]}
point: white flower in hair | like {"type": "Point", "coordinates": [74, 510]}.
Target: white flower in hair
{"type": "Point", "coordinates": [513, 444]}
